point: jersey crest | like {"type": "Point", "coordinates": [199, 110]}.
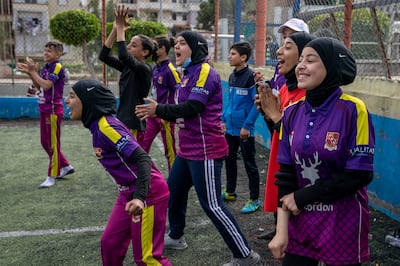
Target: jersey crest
{"type": "Point", "coordinates": [331, 141]}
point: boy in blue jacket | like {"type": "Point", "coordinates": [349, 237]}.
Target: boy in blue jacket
{"type": "Point", "coordinates": [238, 118]}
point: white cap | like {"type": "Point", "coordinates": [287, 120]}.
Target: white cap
{"type": "Point", "coordinates": [295, 24]}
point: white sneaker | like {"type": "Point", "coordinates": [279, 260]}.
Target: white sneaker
{"type": "Point", "coordinates": [252, 259]}
{"type": "Point", "coordinates": [178, 244]}
{"type": "Point", "coordinates": [50, 181]}
{"type": "Point", "coordinates": [66, 171]}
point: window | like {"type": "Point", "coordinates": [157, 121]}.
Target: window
{"type": "Point", "coordinates": [173, 16]}
{"type": "Point", "coordinates": [153, 16]}
{"type": "Point", "coordinates": [184, 17]}
{"type": "Point", "coordinates": [63, 2]}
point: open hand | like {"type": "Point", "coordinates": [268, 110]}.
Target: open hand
{"type": "Point", "coordinates": [121, 16]}
{"type": "Point", "coordinates": [144, 111]}
{"type": "Point", "coordinates": [268, 103]}
{"type": "Point", "coordinates": [28, 67]}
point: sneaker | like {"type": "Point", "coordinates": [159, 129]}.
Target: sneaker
{"type": "Point", "coordinates": [229, 196]}
{"type": "Point", "coordinates": [179, 243]}
{"type": "Point", "coordinates": [66, 171]}
{"type": "Point", "coordinates": [252, 259]}
{"type": "Point", "coordinates": [251, 206]}
{"type": "Point", "coordinates": [50, 181]}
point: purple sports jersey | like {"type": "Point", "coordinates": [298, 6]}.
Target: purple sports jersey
{"type": "Point", "coordinates": [201, 137]}
{"type": "Point", "coordinates": [318, 142]}
{"type": "Point", "coordinates": [50, 101]}
{"type": "Point", "coordinates": [165, 78]}
{"type": "Point", "coordinates": [113, 145]}
{"type": "Point", "coordinates": [277, 80]}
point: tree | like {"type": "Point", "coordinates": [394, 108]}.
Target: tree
{"type": "Point", "coordinates": [206, 16]}
{"type": "Point", "coordinates": [136, 27]}
{"type": "Point", "coordinates": [149, 28]}
{"type": "Point", "coordinates": [77, 28]}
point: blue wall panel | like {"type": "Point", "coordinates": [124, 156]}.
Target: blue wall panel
{"type": "Point", "coordinates": [18, 107]}
{"type": "Point", "coordinates": [385, 187]}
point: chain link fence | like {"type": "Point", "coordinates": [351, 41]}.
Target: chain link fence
{"type": "Point", "coordinates": [370, 28]}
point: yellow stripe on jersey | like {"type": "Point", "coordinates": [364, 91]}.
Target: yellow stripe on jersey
{"type": "Point", "coordinates": [205, 69]}
{"type": "Point", "coordinates": [362, 137]}
{"type": "Point", "coordinates": [108, 131]}
{"type": "Point", "coordinates": [174, 73]}
{"type": "Point", "coordinates": [57, 68]}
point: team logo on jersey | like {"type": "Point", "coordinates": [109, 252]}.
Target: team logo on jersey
{"type": "Point", "coordinates": [200, 90]}
{"type": "Point", "coordinates": [160, 80]}
{"type": "Point", "coordinates": [331, 141]}
{"type": "Point", "coordinates": [98, 151]}
{"type": "Point", "coordinates": [121, 143]}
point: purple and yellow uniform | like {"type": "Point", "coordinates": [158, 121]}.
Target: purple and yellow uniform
{"type": "Point", "coordinates": [113, 145]}
{"type": "Point", "coordinates": [320, 142]}
{"type": "Point", "coordinates": [165, 81]}
{"type": "Point", "coordinates": [202, 148]}
{"type": "Point", "coordinates": [50, 101]}
{"type": "Point", "coordinates": [51, 113]}
{"type": "Point", "coordinates": [201, 137]}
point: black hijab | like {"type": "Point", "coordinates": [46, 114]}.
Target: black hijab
{"type": "Point", "coordinates": [96, 100]}
{"type": "Point", "coordinates": [300, 39]}
{"type": "Point", "coordinates": [341, 68]}
{"type": "Point", "coordinates": [197, 44]}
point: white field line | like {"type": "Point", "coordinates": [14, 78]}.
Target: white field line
{"type": "Point", "coordinates": [51, 231]}
{"type": "Point", "coordinates": [160, 147]}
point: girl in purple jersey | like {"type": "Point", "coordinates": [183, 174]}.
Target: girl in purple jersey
{"type": "Point", "coordinates": [326, 161]}
{"type": "Point", "coordinates": [165, 81]}
{"type": "Point", "coordinates": [139, 212]}
{"type": "Point", "coordinates": [202, 148]}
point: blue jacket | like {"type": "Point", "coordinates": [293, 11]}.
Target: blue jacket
{"type": "Point", "coordinates": [240, 112]}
